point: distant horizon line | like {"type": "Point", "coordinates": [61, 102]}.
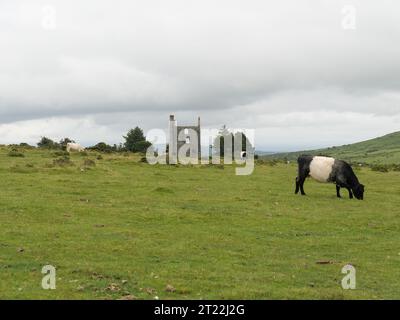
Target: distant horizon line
{"type": "Point", "coordinates": [257, 150]}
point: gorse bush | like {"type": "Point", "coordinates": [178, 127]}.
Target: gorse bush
{"type": "Point", "coordinates": [380, 168]}
{"type": "Point", "coordinates": [89, 163]}
{"type": "Point", "coordinates": [63, 162]}
{"type": "Point", "coordinates": [396, 167]}
{"type": "Point", "coordinates": [61, 154]}
{"type": "Point", "coordinates": [271, 163]}
{"type": "Point", "coordinates": [48, 144]}
{"type": "Point", "coordinates": [22, 145]}
{"type": "Point", "coordinates": [22, 169]}
{"type": "Point", "coordinates": [385, 168]}
{"type": "Point", "coordinates": [16, 153]}
{"type": "Point", "coordinates": [103, 147]}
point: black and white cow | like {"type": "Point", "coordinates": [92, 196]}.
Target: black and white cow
{"type": "Point", "coordinates": [326, 169]}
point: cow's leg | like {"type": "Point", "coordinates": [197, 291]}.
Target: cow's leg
{"type": "Point", "coordinates": [301, 177]}
{"type": "Point", "coordinates": [338, 191]}
{"type": "Point", "coordinates": [350, 193]}
{"type": "Point", "coordinates": [301, 182]}
{"type": "Point", "coordinates": [345, 185]}
{"type": "Point", "coordinates": [297, 185]}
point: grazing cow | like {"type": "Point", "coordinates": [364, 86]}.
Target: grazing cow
{"type": "Point", "coordinates": [326, 169]}
{"type": "Point", "coordinates": [74, 147]}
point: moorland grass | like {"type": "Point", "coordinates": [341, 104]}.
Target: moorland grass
{"type": "Point", "coordinates": [122, 228]}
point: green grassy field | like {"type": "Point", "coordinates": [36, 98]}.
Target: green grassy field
{"type": "Point", "coordinates": [125, 228]}
{"type": "Point", "coordinates": [383, 150]}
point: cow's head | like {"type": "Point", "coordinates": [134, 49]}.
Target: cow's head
{"type": "Point", "coordinates": [359, 192]}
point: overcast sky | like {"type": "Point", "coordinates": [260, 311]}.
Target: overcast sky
{"type": "Point", "coordinates": [303, 74]}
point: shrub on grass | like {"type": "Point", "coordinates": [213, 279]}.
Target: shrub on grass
{"type": "Point", "coordinates": [103, 147]}
{"type": "Point", "coordinates": [271, 163]}
{"type": "Point", "coordinates": [61, 154]}
{"type": "Point", "coordinates": [63, 162]}
{"type": "Point", "coordinates": [396, 167]}
{"type": "Point", "coordinates": [16, 153]}
{"type": "Point", "coordinates": [26, 145]}
{"type": "Point", "coordinates": [22, 169]}
{"type": "Point", "coordinates": [379, 168]}
{"type": "Point", "coordinates": [47, 143]}
{"type": "Point", "coordinates": [89, 163]}
{"type": "Point", "coordinates": [22, 145]}
{"type": "Point", "coordinates": [163, 190]}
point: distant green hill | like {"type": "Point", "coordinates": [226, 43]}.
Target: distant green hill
{"type": "Point", "coordinates": [382, 150]}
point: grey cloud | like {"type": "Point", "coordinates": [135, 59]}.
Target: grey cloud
{"type": "Point", "coordinates": [234, 62]}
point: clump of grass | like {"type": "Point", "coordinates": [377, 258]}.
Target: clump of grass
{"type": "Point", "coordinates": [61, 154]}
{"type": "Point", "coordinates": [271, 163]}
{"type": "Point", "coordinates": [163, 190]}
{"type": "Point", "coordinates": [385, 167]}
{"type": "Point", "coordinates": [22, 169]}
{"type": "Point", "coordinates": [89, 163]}
{"type": "Point", "coordinates": [396, 167]}
{"type": "Point", "coordinates": [83, 154]}
{"type": "Point", "coordinates": [211, 165]}
{"type": "Point", "coordinates": [16, 153]}
{"type": "Point", "coordinates": [99, 157]}
{"type": "Point", "coordinates": [63, 162]}
{"type": "Point", "coordinates": [380, 168]}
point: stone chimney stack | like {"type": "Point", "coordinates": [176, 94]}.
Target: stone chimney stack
{"type": "Point", "coordinates": [173, 140]}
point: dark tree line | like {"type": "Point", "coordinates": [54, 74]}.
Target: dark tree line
{"type": "Point", "coordinates": [135, 141]}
